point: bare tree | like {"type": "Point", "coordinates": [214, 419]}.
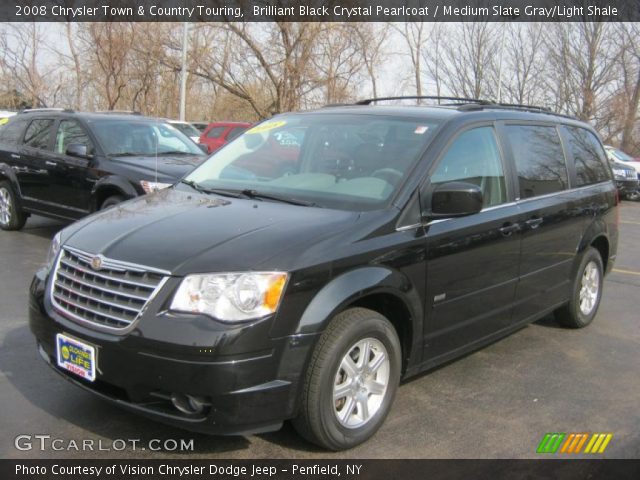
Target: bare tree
{"type": "Point", "coordinates": [415, 37]}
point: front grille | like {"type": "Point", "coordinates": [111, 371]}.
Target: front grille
{"type": "Point", "coordinates": [632, 174]}
{"type": "Point", "coordinates": [111, 297]}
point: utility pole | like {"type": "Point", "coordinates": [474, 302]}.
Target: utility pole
{"type": "Point", "coordinates": [183, 74]}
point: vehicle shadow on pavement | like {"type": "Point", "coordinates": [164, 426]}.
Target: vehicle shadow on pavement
{"type": "Point", "coordinates": [44, 229]}
{"type": "Point", "coordinates": [549, 321]}
{"type": "Point", "coordinates": [77, 415]}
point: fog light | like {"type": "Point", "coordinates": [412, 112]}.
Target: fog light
{"type": "Point", "coordinates": [189, 404]}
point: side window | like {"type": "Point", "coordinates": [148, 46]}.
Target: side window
{"type": "Point", "coordinates": [474, 157]}
{"type": "Point", "coordinates": [589, 157]}
{"type": "Point", "coordinates": [12, 132]}
{"type": "Point", "coordinates": [215, 132]}
{"type": "Point", "coordinates": [38, 133]}
{"type": "Point", "coordinates": [70, 131]}
{"type": "Point", "coordinates": [539, 159]}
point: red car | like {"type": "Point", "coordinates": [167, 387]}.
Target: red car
{"type": "Point", "coordinates": [218, 134]}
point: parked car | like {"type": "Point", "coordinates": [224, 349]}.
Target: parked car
{"type": "Point", "coordinates": [617, 155]}
{"type": "Point", "coordinates": [402, 238]}
{"type": "Point", "coordinates": [66, 164]}
{"type": "Point", "coordinates": [200, 126]}
{"type": "Point", "coordinates": [186, 128]}
{"type": "Point", "coordinates": [626, 179]}
{"type": "Point", "coordinates": [218, 134]}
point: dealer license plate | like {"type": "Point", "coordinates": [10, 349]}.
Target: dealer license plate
{"type": "Point", "coordinates": [76, 357]}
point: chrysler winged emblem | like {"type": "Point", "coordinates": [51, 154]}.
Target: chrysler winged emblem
{"type": "Point", "coordinates": [96, 262]}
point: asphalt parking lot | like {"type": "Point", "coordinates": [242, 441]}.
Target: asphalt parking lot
{"type": "Point", "coordinates": [495, 403]}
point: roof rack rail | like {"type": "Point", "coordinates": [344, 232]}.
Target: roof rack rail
{"type": "Point", "coordinates": [31, 110]}
{"type": "Point", "coordinates": [120, 112]}
{"type": "Point", "coordinates": [369, 101]}
{"type": "Point", "coordinates": [515, 106]}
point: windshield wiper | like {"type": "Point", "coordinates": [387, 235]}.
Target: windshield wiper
{"type": "Point", "coordinates": [176, 152]}
{"type": "Point", "coordinates": [251, 193]}
{"type": "Point", "coordinates": [129, 154]}
{"type": "Point", "coordinates": [215, 191]}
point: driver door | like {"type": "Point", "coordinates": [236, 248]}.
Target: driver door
{"type": "Point", "coordinates": [472, 261]}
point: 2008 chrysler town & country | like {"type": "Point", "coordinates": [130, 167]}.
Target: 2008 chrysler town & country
{"type": "Point", "coordinates": [315, 261]}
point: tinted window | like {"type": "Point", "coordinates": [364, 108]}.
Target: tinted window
{"type": "Point", "coordinates": [12, 132]}
{"type": "Point", "coordinates": [539, 159]}
{"type": "Point", "coordinates": [236, 132]}
{"type": "Point", "coordinates": [474, 158]}
{"type": "Point", "coordinates": [38, 133]}
{"type": "Point", "coordinates": [588, 156]}
{"type": "Point", "coordinates": [70, 132]}
{"type": "Point", "coordinates": [215, 132]}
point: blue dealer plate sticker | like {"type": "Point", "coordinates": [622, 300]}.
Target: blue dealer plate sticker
{"type": "Point", "coordinates": [75, 356]}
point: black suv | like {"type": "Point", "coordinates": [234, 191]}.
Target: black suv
{"type": "Point", "coordinates": [64, 164]}
{"type": "Point", "coordinates": [397, 238]}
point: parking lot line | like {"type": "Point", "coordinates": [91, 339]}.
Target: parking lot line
{"type": "Point", "coordinates": [628, 272]}
{"type": "Point", "coordinates": [628, 222]}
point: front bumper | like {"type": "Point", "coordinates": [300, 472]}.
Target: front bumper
{"type": "Point", "coordinates": [627, 186]}
{"type": "Point", "coordinates": [249, 381]}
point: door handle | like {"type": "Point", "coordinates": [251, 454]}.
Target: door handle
{"type": "Point", "coordinates": [508, 229]}
{"type": "Point", "coordinates": [16, 156]}
{"type": "Point", "coordinates": [50, 163]}
{"type": "Point", "coordinates": [534, 223]}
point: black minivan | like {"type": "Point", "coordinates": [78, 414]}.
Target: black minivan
{"type": "Point", "coordinates": [306, 268]}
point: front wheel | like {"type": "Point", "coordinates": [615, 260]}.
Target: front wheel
{"type": "Point", "coordinates": [11, 215]}
{"type": "Point", "coordinates": [351, 381]}
{"type": "Point", "coordinates": [586, 293]}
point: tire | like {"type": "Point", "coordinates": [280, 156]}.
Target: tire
{"type": "Point", "coordinates": [111, 201]}
{"type": "Point", "coordinates": [337, 383]}
{"type": "Point", "coordinates": [585, 299]}
{"type": "Point", "coordinates": [11, 215]}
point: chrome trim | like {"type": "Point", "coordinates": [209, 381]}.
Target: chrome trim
{"type": "Point", "coordinates": [120, 263]}
{"type": "Point", "coordinates": [129, 324]}
{"type": "Point", "coordinates": [518, 201]}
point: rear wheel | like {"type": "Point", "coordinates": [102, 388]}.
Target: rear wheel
{"type": "Point", "coordinates": [351, 381]}
{"type": "Point", "coordinates": [11, 215]}
{"type": "Point", "coordinates": [586, 293]}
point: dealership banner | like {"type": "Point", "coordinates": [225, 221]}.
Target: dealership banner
{"type": "Point", "coordinates": [324, 469]}
{"type": "Point", "coordinates": [319, 10]}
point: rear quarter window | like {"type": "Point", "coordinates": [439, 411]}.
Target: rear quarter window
{"type": "Point", "coordinates": [11, 133]}
{"type": "Point", "coordinates": [588, 156]}
{"type": "Point", "coordinates": [215, 132]}
{"type": "Point", "coordinates": [539, 159]}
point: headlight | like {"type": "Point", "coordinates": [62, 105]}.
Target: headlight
{"type": "Point", "coordinates": [231, 297]}
{"type": "Point", "coordinates": [620, 174]}
{"type": "Point", "coordinates": [149, 187]}
{"type": "Point", "coordinates": [54, 249]}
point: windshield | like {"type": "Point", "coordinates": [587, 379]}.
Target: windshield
{"type": "Point", "coordinates": [186, 128]}
{"type": "Point", "coordinates": [346, 161]}
{"type": "Point", "coordinates": [142, 138]}
{"type": "Point", "coordinates": [620, 155]}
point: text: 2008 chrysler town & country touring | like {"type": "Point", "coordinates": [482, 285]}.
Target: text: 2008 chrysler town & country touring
{"type": "Point", "coordinates": [307, 267]}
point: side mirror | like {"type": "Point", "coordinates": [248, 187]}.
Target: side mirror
{"type": "Point", "coordinates": [203, 147]}
{"type": "Point", "coordinates": [77, 150]}
{"type": "Point", "coordinates": [455, 199]}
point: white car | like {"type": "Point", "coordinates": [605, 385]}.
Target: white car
{"type": "Point", "coordinates": [617, 155]}
{"type": "Point", "coordinates": [186, 128]}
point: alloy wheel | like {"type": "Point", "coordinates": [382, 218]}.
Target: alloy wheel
{"type": "Point", "coordinates": [361, 383]}
{"type": "Point", "coordinates": [5, 206]}
{"type": "Point", "coordinates": [589, 288]}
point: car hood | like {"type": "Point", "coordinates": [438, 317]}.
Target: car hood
{"type": "Point", "coordinates": [168, 166]}
{"type": "Point", "coordinates": [184, 232]}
